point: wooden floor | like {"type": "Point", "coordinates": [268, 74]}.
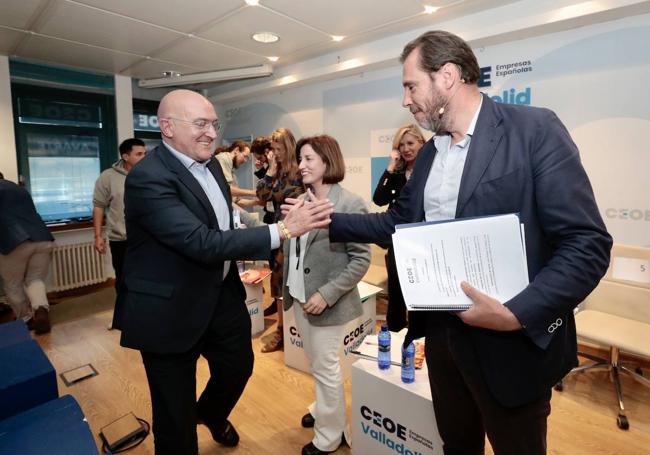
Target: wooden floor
{"type": "Point", "coordinates": [268, 415]}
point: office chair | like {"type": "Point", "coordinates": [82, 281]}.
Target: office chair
{"type": "Point", "coordinates": [617, 315]}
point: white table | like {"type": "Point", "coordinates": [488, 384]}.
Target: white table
{"type": "Point", "coordinates": [388, 416]}
{"type": "Point", "coordinates": [355, 331]}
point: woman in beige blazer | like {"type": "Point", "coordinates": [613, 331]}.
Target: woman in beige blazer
{"type": "Point", "coordinates": [321, 279]}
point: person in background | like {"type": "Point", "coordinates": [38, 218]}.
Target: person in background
{"type": "Point", "coordinates": [260, 148]}
{"type": "Point", "coordinates": [183, 297]}
{"type": "Point", "coordinates": [25, 255]}
{"type": "Point", "coordinates": [108, 200]}
{"type": "Point", "coordinates": [493, 366]}
{"type": "Point", "coordinates": [321, 284]}
{"type": "Point", "coordinates": [230, 158]}
{"type": "Point", "coordinates": [282, 180]}
{"type": "Point", "coordinates": [406, 144]}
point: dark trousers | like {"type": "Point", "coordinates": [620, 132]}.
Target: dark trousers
{"type": "Point", "coordinates": [396, 311]}
{"type": "Point", "coordinates": [172, 380]}
{"type": "Point", "coordinates": [118, 252]}
{"type": "Point", "coordinates": [464, 407]}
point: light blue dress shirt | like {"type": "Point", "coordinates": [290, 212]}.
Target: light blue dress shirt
{"type": "Point", "coordinates": [443, 183]}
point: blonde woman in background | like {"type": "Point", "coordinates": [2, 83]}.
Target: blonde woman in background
{"type": "Point", "coordinates": [406, 145]}
{"type": "Point", "coordinates": [282, 180]}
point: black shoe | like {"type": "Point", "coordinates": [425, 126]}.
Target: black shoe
{"type": "Point", "coordinates": [307, 421]}
{"type": "Point", "coordinates": [226, 436]}
{"type": "Point", "coordinates": [271, 309]}
{"type": "Point", "coordinates": [41, 321]}
{"type": "Point", "coordinates": [311, 449]}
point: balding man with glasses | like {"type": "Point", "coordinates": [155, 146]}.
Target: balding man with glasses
{"type": "Point", "coordinates": [183, 297]}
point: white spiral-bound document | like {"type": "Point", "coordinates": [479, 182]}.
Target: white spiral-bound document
{"type": "Point", "coordinates": [433, 258]}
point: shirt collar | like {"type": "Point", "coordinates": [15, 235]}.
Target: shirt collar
{"type": "Point", "coordinates": [183, 158]}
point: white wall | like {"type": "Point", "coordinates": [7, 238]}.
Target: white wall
{"type": "Point", "coordinates": [8, 163]}
{"type": "Point", "coordinates": [594, 77]}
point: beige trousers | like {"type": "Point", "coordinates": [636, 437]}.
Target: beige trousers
{"type": "Point", "coordinates": [23, 272]}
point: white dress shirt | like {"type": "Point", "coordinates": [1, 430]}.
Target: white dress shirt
{"type": "Point", "coordinates": [296, 278]}
{"type": "Point", "coordinates": [443, 183]}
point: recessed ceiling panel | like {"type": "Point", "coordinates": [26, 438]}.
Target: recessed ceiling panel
{"type": "Point", "coordinates": [89, 25]}
{"type": "Point", "coordinates": [66, 53]}
{"type": "Point", "coordinates": [346, 17]}
{"type": "Point", "coordinates": [148, 69]}
{"type": "Point", "coordinates": [237, 30]}
{"type": "Point", "coordinates": [206, 55]}
{"type": "Point", "coordinates": [8, 40]}
{"type": "Point", "coordinates": [16, 13]}
{"type": "Point", "coordinates": [179, 15]}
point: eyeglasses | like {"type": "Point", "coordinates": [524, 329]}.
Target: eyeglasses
{"type": "Point", "coordinates": [200, 124]}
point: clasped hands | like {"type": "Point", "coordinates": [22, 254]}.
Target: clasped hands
{"type": "Point", "coordinates": [304, 215]}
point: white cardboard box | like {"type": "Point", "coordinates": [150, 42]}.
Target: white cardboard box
{"type": "Point", "coordinates": [254, 299]}
{"type": "Point", "coordinates": [355, 331]}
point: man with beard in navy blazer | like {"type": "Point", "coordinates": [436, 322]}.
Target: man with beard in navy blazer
{"type": "Point", "coordinates": [183, 297]}
{"type": "Point", "coordinates": [492, 367]}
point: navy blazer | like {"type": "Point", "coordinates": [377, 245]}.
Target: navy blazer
{"type": "Point", "coordinates": [521, 160]}
{"type": "Point", "coordinates": [173, 269]}
{"type": "Point", "coordinates": [19, 221]}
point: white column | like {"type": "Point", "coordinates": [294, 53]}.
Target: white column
{"type": "Point", "coordinates": [8, 161]}
{"type": "Point", "coordinates": [123, 107]}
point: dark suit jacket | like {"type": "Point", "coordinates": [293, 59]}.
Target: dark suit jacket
{"type": "Point", "coordinates": [173, 270]}
{"type": "Point", "coordinates": [521, 159]}
{"type": "Point", "coordinates": [19, 220]}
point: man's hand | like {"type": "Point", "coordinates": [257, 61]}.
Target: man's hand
{"type": "Point", "coordinates": [315, 304]}
{"type": "Point", "coordinates": [305, 216]}
{"type": "Point", "coordinates": [487, 313]}
{"type": "Point", "coordinates": [100, 245]}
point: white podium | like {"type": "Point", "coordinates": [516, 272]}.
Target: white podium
{"type": "Point", "coordinates": [388, 416]}
{"type": "Point", "coordinates": [355, 331]}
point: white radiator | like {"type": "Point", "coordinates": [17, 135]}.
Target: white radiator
{"type": "Point", "coordinates": [76, 265]}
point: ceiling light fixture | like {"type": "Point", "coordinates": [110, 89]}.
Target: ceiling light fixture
{"type": "Point", "coordinates": [175, 78]}
{"type": "Point", "coordinates": [337, 38]}
{"type": "Point", "coordinates": [265, 37]}
{"type": "Point", "coordinates": [273, 59]}
{"type": "Point", "coordinates": [252, 2]}
{"type": "Point", "coordinates": [428, 9]}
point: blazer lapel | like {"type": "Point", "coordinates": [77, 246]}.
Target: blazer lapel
{"type": "Point", "coordinates": [187, 179]}
{"type": "Point", "coordinates": [487, 135]}
{"type": "Point", "coordinates": [426, 156]}
{"type": "Point", "coordinates": [217, 173]}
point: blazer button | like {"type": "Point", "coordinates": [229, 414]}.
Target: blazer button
{"type": "Point", "coordinates": [307, 270]}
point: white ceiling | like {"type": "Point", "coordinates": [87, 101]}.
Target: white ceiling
{"type": "Point", "coordinates": [143, 38]}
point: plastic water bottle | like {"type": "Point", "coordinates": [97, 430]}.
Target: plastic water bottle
{"type": "Point", "coordinates": [383, 354]}
{"type": "Point", "coordinates": [408, 363]}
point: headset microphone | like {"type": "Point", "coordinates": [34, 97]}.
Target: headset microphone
{"type": "Point", "coordinates": [441, 111]}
